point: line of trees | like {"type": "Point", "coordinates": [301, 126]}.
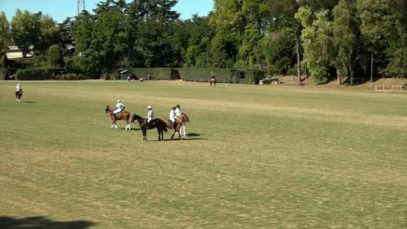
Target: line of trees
{"type": "Point", "coordinates": [344, 39]}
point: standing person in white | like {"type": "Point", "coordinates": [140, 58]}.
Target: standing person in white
{"type": "Point", "coordinates": [178, 112]}
{"type": "Point", "coordinates": [19, 93]}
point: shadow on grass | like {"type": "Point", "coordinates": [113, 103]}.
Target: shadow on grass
{"type": "Point", "coordinates": [194, 135]}
{"type": "Point", "coordinates": [131, 129]}
{"type": "Point", "coordinates": [28, 101]}
{"type": "Point", "coordinates": [189, 137]}
{"type": "Point", "coordinates": [38, 222]}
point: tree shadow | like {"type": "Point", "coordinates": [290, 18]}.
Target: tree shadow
{"type": "Point", "coordinates": [39, 222]}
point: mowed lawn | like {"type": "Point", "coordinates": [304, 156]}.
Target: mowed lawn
{"type": "Point", "coordinates": [256, 156]}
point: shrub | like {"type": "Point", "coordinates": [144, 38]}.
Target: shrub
{"type": "Point", "coordinates": [33, 74]}
{"type": "Point", "coordinates": [55, 57]}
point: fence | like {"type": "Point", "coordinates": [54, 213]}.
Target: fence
{"type": "Point", "coordinates": [390, 88]}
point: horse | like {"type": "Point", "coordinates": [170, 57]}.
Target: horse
{"type": "Point", "coordinates": [19, 94]}
{"type": "Point", "coordinates": [157, 123]}
{"type": "Point", "coordinates": [212, 80]}
{"type": "Point", "coordinates": [124, 115]}
{"type": "Point", "coordinates": [179, 122]}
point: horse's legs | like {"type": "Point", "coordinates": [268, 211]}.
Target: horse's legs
{"type": "Point", "coordinates": [183, 132]}
{"type": "Point", "coordinates": [144, 130]}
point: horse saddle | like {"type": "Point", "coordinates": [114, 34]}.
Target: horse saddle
{"type": "Point", "coordinates": [118, 115]}
{"type": "Point", "coordinates": [170, 124]}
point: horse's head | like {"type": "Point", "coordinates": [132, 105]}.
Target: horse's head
{"type": "Point", "coordinates": [107, 109]}
{"type": "Point", "coordinates": [139, 119]}
{"type": "Point", "coordinates": [184, 117]}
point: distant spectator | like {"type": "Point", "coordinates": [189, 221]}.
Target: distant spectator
{"type": "Point", "coordinates": [19, 93]}
{"type": "Point", "coordinates": [212, 80]}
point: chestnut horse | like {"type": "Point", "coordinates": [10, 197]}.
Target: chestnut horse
{"type": "Point", "coordinates": [160, 124]}
{"type": "Point", "coordinates": [124, 115]}
{"type": "Point", "coordinates": [179, 122]}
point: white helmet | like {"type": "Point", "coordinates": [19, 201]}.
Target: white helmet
{"type": "Point", "coordinates": [149, 107]}
{"type": "Point", "coordinates": [118, 101]}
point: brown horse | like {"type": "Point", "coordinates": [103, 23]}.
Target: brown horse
{"type": "Point", "coordinates": [179, 122]}
{"type": "Point", "coordinates": [157, 123]}
{"type": "Point", "coordinates": [19, 94]}
{"type": "Point", "coordinates": [124, 115]}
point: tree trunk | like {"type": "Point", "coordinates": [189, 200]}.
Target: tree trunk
{"type": "Point", "coordinates": [298, 58]}
{"type": "Point", "coordinates": [371, 69]}
{"type": "Point", "coordinates": [338, 77]}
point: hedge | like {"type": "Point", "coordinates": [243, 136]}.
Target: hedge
{"type": "Point", "coordinates": [222, 75]}
{"type": "Point", "coordinates": [204, 74]}
{"type": "Point", "coordinates": [156, 73]}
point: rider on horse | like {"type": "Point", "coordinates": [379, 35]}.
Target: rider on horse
{"type": "Point", "coordinates": [178, 112]}
{"type": "Point", "coordinates": [171, 120]}
{"type": "Point", "coordinates": [150, 113]}
{"type": "Point", "coordinates": [119, 108]}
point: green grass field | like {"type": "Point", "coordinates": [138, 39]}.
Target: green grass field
{"type": "Point", "coordinates": [256, 156]}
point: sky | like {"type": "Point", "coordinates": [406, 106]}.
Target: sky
{"type": "Point", "coordinates": [61, 9]}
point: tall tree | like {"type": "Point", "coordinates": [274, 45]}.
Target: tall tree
{"type": "Point", "coordinates": [397, 50]}
{"type": "Point", "coordinates": [317, 42]}
{"type": "Point", "coordinates": [376, 21]}
{"type": "Point", "coordinates": [250, 53]}
{"type": "Point", "coordinates": [228, 22]}
{"type": "Point", "coordinates": [25, 30]}
{"type": "Point", "coordinates": [280, 51]}
{"type": "Point", "coordinates": [65, 39]}
{"type": "Point", "coordinates": [283, 41]}
{"type": "Point", "coordinates": [346, 36]}
{"type": "Point", "coordinates": [109, 35]}
{"type": "Point", "coordinates": [85, 58]}
{"type": "Point", "coordinates": [152, 21]}
{"type": "Point", "coordinates": [49, 33]}
{"type": "Point", "coordinates": [4, 34]}
{"type": "Point", "coordinates": [198, 51]}
{"type": "Point", "coordinates": [250, 50]}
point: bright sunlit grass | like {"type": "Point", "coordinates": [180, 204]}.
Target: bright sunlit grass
{"type": "Point", "coordinates": [256, 156]}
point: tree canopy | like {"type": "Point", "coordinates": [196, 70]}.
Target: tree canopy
{"type": "Point", "coordinates": [343, 39]}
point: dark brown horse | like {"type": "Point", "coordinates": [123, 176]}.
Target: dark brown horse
{"type": "Point", "coordinates": [124, 115]}
{"type": "Point", "coordinates": [19, 94]}
{"type": "Point", "coordinates": [158, 123]}
{"type": "Point", "coordinates": [179, 121]}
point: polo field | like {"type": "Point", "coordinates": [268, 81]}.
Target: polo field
{"type": "Point", "coordinates": [269, 156]}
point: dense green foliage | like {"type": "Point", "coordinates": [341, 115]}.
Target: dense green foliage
{"type": "Point", "coordinates": [4, 34]}
{"type": "Point", "coordinates": [55, 57]}
{"type": "Point", "coordinates": [348, 40]}
{"type": "Point", "coordinates": [255, 157]}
